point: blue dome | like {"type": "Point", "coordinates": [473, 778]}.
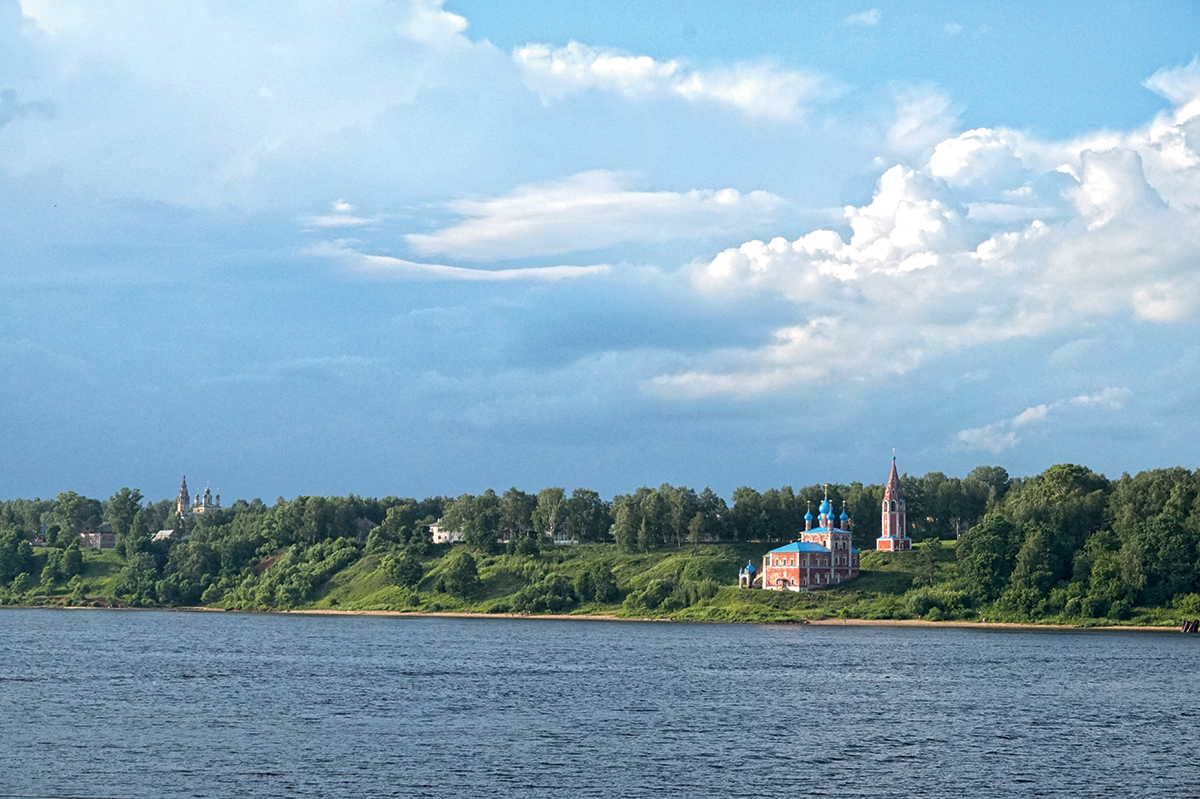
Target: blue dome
{"type": "Point", "coordinates": [825, 508]}
{"type": "Point", "coordinates": [843, 517]}
{"type": "Point", "coordinates": [808, 516]}
{"type": "Point", "coordinates": [749, 566]}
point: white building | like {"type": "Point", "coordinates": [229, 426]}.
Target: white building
{"type": "Point", "coordinates": [443, 535]}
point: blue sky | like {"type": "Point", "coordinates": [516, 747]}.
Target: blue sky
{"type": "Point", "coordinates": [419, 248]}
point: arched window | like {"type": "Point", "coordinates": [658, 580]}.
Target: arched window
{"type": "Point", "coordinates": [893, 505]}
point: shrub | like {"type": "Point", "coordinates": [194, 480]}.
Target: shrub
{"type": "Point", "coordinates": [1120, 610]}
{"type": "Point", "coordinates": [1187, 604]}
{"type": "Point", "coordinates": [402, 569]}
{"type": "Point", "coordinates": [462, 575]}
{"type": "Point", "coordinates": [554, 593]}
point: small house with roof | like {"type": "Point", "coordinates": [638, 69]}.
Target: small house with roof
{"type": "Point", "coordinates": [822, 556]}
{"type": "Point", "coordinates": [102, 537]}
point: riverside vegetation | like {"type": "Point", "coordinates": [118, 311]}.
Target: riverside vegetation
{"type": "Point", "coordinates": [1067, 546]}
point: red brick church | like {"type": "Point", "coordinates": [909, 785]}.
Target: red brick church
{"type": "Point", "coordinates": [822, 556]}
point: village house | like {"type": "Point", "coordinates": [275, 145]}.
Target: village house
{"type": "Point", "coordinates": [441, 534]}
{"type": "Point", "coordinates": [102, 537]}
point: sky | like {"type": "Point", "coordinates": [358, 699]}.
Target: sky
{"type": "Point", "coordinates": [416, 248]}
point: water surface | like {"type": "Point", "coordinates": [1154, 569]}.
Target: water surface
{"type": "Point", "coordinates": [154, 704]}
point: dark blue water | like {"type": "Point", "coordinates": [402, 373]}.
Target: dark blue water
{"type": "Point", "coordinates": [150, 704]}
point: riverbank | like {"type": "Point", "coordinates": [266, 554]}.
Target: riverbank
{"type": "Point", "coordinates": [802, 622]}
{"type": "Point", "coordinates": [974, 625]}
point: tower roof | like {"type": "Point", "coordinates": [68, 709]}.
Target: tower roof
{"type": "Point", "coordinates": [893, 484]}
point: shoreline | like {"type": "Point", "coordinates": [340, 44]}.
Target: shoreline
{"type": "Point", "coordinates": [447, 614]}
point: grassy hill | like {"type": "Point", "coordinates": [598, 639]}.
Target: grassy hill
{"type": "Point", "coordinates": [688, 584]}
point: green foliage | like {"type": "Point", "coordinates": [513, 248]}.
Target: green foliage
{"type": "Point", "coordinates": [650, 597]}
{"type": "Point", "coordinates": [942, 601]}
{"type": "Point", "coordinates": [986, 555]}
{"type": "Point", "coordinates": [403, 569]}
{"type": "Point", "coordinates": [138, 580]}
{"type": "Point", "coordinates": [596, 584]}
{"type": "Point", "coordinates": [72, 561]}
{"type": "Point", "coordinates": [120, 510]}
{"type": "Point", "coordinates": [21, 583]}
{"type": "Point", "coordinates": [462, 574]}
{"type": "Point", "coordinates": [554, 593]}
{"type": "Point", "coordinates": [1067, 545]}
{"type": "Point", "coordinates": [75, 513]}
{"type": "Point", "coordinates": [16, 555]}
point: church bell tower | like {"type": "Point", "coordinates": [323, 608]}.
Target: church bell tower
{"type": "Point", "coordinates": [893, 535]}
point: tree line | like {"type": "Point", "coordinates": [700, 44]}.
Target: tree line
{"type": "Point", "coordinates": [1072, 542]}
{"type": "Point", "coordinates": [1065, 541]}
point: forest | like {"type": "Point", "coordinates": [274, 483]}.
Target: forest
{"type": "Point", "coordinates": [1068, 546]}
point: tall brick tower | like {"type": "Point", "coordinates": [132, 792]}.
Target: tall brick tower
{"type": "Point", "coordinates": [893, 536]}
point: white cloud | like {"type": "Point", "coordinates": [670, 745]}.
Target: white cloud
{"type": "Point", "coordinates": [589, 211]}
{"type": "Point", "coordinates": [342, 216]}
{"type": "Point", "coordinates": [990, 438]}
{"type": "Point", "coordinates": [1112, 397]}
{"type": "Point", "coordinates": [955, 252]}
{"type": "Point", "coordinates": [398, 268]}
{"type": "Point", "coordinates": [868, 18]}
{"type": "Point", "coordinates": [190, 102]}
{"type": "Point", "coordinates": [1031, 415]}
{"type": "Point", "coordinates": [922, 119]}
{"type": "Point", "coordinates": [1002, 435]}
{"type": "Point", "coordinates": [757, 90]}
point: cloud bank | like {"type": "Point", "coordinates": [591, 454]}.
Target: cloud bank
{"type": "Point", "coordinates": [991, 235]}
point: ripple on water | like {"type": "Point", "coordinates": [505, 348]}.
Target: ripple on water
{"type": "Point", "coordinates": [158, 704]}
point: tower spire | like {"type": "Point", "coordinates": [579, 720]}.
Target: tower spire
{"type": "Point", "coordinates": [893, 536]}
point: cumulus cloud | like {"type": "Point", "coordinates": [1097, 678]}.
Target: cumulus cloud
{"type": "Point", "coordinates": [756, 90]}
{"type": "Point", "coordinates": [1002, 435]}
{"type": "Point", "coordinates": [992, 236]}
{"type": "Point", "coordinates": [589, 211]}
{"type": "Point", "coordinates": [400, 269]}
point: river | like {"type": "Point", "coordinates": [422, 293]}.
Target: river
{"type": "Point", "coordinates": [166, 704]}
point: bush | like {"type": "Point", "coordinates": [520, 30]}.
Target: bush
{"type": "Point", "coordinates": [922, 602]}
{"type": "Point", "coordinates": [1120, 610]}
{"type": "Point", "coordinates": [554, 593]}
{"type": "Point", "coordinates": [462, 575]}
{"type": "Point", "coordinates": [403, 569]}
{"type": "Point", "coordinates": [1187, 604]}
